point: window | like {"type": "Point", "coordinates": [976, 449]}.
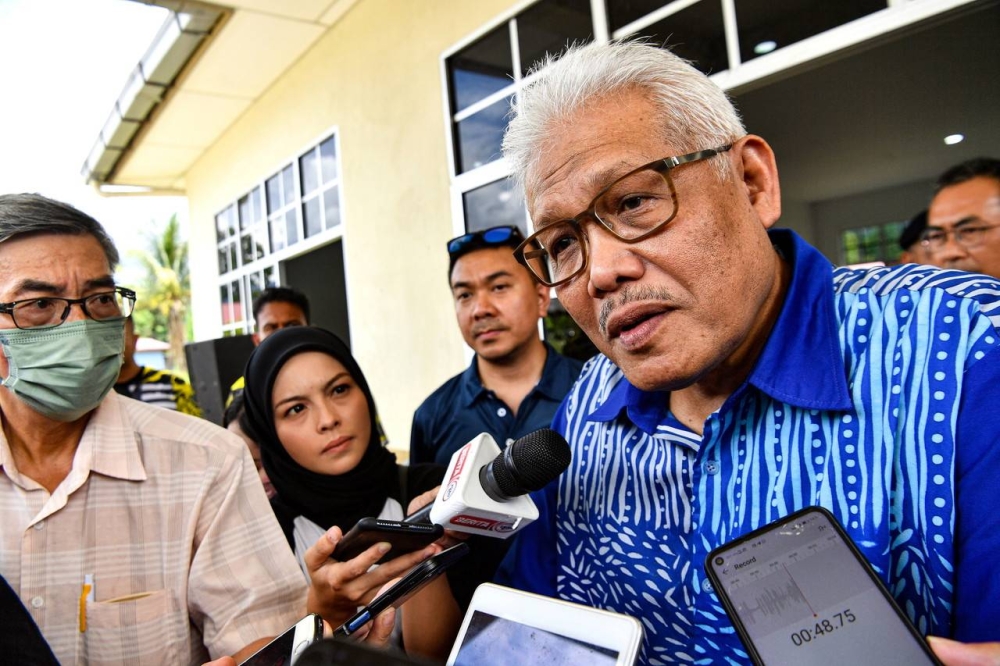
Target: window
{"type": "Point", "coordinates": [290, 212]}
{"type": "Point", "coordinates": [872, 243]}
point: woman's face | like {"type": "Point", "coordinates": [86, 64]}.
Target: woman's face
{"type": "Point", "coordinates": [320, 414]}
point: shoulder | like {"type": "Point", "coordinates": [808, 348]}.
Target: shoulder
{"type": "Point", "coordinates": [935, 289]}
{"type": "Point", "coordinates": [442, 396]}
{"type": "Point", "coordinates": [158, 428]}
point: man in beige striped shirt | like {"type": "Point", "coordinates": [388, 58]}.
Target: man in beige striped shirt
{"type": "Point", "coordinates": [130, 533]}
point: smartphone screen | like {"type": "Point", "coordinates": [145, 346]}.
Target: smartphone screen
{"type": "Point", "coordinates": [284, 650]}
{"type": "Point", "coordinates": [799, 592]}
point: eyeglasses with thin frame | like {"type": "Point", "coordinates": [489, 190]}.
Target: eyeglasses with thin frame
{"type": "Point", "coordinates": [966, 236]}
{"type": "Point", "coordinates": [632, 208]}
{"type": "Point", "coordinates": [49, 311]}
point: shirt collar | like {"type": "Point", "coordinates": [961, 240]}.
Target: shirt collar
{"type": "Point", "coordinates": [473, 389]}
{"type": "Point", "coordinates": [779, 372]}
{"type": "Point", "coordinates": [115, 441]}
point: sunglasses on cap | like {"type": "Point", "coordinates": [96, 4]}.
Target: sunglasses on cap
{"type": "Point", "coordinates": [492, 237]}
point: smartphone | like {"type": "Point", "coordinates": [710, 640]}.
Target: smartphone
{"type": "Point", "coordinates": [798, 591]}
{"type": "Point", "coordinates": [286, 648]}
{"type": "Point", "coordinates": [404, 537]}
{"type": "Point", "coordinates": [410, 584]}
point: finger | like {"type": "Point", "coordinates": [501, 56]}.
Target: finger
{"type": "Point", "coordinates": [317, 554]}
{"type": "Point", "coordinates": [381, 629]}
{"type": "Point", "coordinates": [400, 565]}
{"type": "Point", "coordinates": [221, 661]}
{"type": "Point", "coordinates": [954, 653]}
{"type": "Point", "coordinates": [327, 629]}
{"type": "Point", "coordinates": [422, 500]}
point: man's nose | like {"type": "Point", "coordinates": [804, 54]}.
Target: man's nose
{"type": "Point", "coordinates": [611, 262]}
{"type": "Point", "coordinates": [951, 251]}
{"type": "Point", "coordinates": [483, 304]}
{"type": "Point", "coordinates": [76, 313]}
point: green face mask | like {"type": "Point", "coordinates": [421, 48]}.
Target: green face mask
{"type": "Point", "coordinates": [64, 372]}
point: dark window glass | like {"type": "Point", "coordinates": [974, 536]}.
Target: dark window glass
{"type": "Point", "coordinates": [549, 26]}
{"type": "Point", "coordinates": [246, 212]}
{"type": "Point", "coordinates": [623, 12]}
{"type": "Point", "coordinates": [328, 159]}
{"type": "Point", "coordinates": [292, 226]}
{"type": "Point", "coordinates": [220, 227]}
{"type": "Point", "coordinates": [481, 68]}
{"type": "Point", "coordinates": [269, 279]}
{"type": "Point", "coordinates": [223, 264]}
{"type": "Point", "coordinates": [313, 217]}
{"type": "Point", "coordinates": [331, 202]}
{"type": "Point", "coordinates": [765, 25]}
{"type": "Point", "coordinates": [288, 184]}
{"type": "Point", "coordinates": [246, 248]}
{"type": "Point", "coordinates": [309, 170]}
{"type": "Point", "coordinates": [274, 199]}
{"type": "Point", "coordinates": [256, 285]}
{"type": "Point", "coordinates": [493, 205]}
{"type": "Point", "coordinates": [478, 137]}
{"type": "Point", "coordinates": [227, 305]}
{"type": "Point", "coordinates": [277, 228]}
{"type": "Point", "coordinates": [237, 307]}
{"type": "Point", "coordinates": [260, 240]}
{"type": "Point", "coordinates": [258, 208]}
{"type": "Point", "coordinates": [696, 34]}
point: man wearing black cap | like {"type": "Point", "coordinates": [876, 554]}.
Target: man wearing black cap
{"type": "Point", "coordinates": [516, 381]}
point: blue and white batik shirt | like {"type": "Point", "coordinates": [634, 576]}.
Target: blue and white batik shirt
{"type": "Point", "coordinates": [874, 397]}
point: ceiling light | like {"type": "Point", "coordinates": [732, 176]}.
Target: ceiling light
{"type": "Point", "coordinates": [952, 139]}
{"type": "Point", "coordinates": [765, 47]}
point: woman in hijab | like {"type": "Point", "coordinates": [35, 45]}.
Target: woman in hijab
{"type": "Point", "coordinates": [308, 406]}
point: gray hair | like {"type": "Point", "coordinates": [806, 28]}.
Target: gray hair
{"type": "Point", "coordinates": [26, 214]}
{"type": "Point", "coordinates": [697, 114]}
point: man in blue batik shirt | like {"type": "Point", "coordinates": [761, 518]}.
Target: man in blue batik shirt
{"type": "Point", "coordinates": [741, 376]}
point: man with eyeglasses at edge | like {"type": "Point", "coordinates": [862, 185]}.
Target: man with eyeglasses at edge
{"type": "Point", "coordinates": [963, 222]}
{"type": "Point", "coordinates": [131, 534]}
{"type": "Point", "coordinates": [742, 377]}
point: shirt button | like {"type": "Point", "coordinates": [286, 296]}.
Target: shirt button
{"type": "Point", "coordinates": [40, 525]}
{"type": "Point", "coordinates": [706, 586]}
{"type": "Point", "coordinates": [712, 467]}
{"type": "Point", "coordinates": [502, 412]}
{"type": "Point", "coordinates": [37, 602]}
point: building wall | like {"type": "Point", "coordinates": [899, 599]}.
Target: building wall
{"type": "Point", "coordinates": [375, 76]}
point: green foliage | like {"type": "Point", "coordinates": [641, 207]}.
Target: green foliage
{"type": "Point", "coordinates": [161, 310]}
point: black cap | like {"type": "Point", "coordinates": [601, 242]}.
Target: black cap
{"type": "Point", "coordinates": [913, 229]}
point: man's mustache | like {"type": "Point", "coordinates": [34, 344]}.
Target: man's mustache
{"type": "Point", "coordinates": [630, 294]}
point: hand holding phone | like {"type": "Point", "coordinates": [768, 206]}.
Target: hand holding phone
{"type": "Point", "coordinates": [404, 537]}
{"type": "Point", "coordinates": [798, 591]}
{"type": "Point", "coordinates": [398, 594]}
{"type": "Point", "coordinates": [286, 648]}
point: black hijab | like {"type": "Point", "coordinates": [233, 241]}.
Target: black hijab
{"type": "Point", "coordinates": [325, 499]}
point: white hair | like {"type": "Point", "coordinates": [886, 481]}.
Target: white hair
{"type": "Point", "coordinates": [697, 114]}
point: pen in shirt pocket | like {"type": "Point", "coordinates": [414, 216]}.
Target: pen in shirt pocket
{"type": "Point", "coordinates": [86, 594]}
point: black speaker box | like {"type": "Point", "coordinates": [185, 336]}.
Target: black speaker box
{"type": "Point", "coordinates": [214, 365]}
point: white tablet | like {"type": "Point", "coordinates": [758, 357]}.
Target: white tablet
{"type": "Point", "coordinates": [506, 627]}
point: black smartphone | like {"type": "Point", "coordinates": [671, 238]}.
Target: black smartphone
{"type": "Point", "coordinates": [404, 537]}
{"type": "Point", "coordinates": [286, 648]}
{"type": "Point", "coordinates": [798, 591]}
{"type": "Point", "coordinates": [410, 584]}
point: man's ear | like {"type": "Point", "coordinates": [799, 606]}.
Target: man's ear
{"type": "Point", "coordinates": [544, 298]}
{"type": "Point", "coordinates": [256, 338]}
{"type": "Point", "coordinates": [759, 173]}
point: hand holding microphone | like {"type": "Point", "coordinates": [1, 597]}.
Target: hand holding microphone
{"type": "Point", "coordinates": [485, 489]}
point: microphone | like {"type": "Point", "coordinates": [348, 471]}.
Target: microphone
{"type": "Point", "coordinates": [488, 496]}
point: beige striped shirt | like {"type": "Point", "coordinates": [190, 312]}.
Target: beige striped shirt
{"type": "Point", "coordinates": [167, 516]}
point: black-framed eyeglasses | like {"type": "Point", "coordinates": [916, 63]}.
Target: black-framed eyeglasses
{"type": "Point", "coordinates": [967, 236]}
{"type": "Point", "coordinates": [632, 208]}
{"type": "Point", "coordinates": [49, 311]}
{"type": "Point", "coordinates": [503, 235]}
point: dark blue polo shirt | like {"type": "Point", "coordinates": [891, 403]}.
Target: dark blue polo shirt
{"type": "Point", "coordinates": [463, 408]}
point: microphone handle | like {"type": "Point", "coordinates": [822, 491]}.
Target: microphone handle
{"type": "Point", "coordinates": [420, 515]}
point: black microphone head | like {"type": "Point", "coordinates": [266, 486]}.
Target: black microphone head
{"type": "Point", "coordinates": [528, 464]}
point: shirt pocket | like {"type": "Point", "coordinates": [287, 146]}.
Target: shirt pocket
{"type": "Point", "coordinates": [145, 628]}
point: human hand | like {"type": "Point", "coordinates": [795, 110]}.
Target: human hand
{"type": "Point", "coordinates": [377, 632]}
{"type": "Point", "coordinates": [337, 589]}
{"type": "Point", "coordinates": [221, 661]}
{"type": "Point", "coordinates": [954, 653]}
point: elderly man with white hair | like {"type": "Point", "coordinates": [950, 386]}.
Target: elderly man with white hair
{"type": "Point", "coordinates": [742, 377]}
